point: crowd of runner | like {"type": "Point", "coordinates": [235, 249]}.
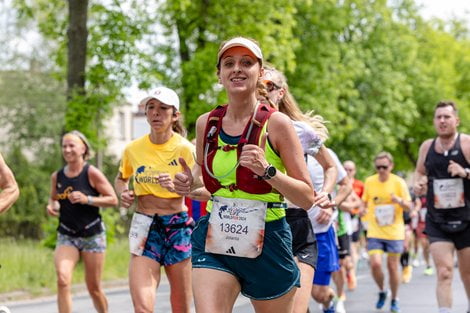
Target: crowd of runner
{"type": "Point", "coordinates": [273, 213]}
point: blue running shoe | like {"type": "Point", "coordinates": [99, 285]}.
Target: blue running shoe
{"type": "Point", "coordinates": [331, 309]}
{"type": "Point", "coordinates": [394, 308]}
{"type": "Point", "coordinates": [381, 302]}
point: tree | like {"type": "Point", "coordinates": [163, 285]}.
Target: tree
{"type": "Point", "coordinates": [200, 26]}
{"type": "Point", "coordinates": [96, 47]}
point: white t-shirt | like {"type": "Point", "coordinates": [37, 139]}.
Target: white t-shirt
{"type": "Point", "coordinates": [317, 176]}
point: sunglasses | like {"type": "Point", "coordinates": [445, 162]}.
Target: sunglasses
{"type": "Point", "coordinates": [270, 86]}
{"type": "Point", "coordinates": [381, 167]}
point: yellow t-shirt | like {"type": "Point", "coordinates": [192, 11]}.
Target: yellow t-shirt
{"type": "Point", "coordinates": [385, 218]}
{"type": "Point", "coordinates": [145, 161]}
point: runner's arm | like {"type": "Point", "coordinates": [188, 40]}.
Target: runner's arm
{"type": "Point", "coordinates": [107, 196]}
{"type": "Point", "coordinates": [345, 188]}
{"type": "Point", "coordinates": [8, 185]}
{"type": "Point", "coordinates": [420, 177]}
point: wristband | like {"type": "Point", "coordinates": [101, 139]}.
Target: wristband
{"type": "Point", "coordinates": [467, 173]}
{"type": "Point", "coordinates": [90, 200]}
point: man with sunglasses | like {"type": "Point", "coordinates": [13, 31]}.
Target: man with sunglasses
{"type": "Point", "coordinates": [385, 196]}
{"type": "Point", "coordinates": [443, 174]}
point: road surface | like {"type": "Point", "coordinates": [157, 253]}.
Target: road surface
{"type": "Point", "coordinates": [418, 296]}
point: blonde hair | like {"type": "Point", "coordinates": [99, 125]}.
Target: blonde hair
{"type": "Point", "coordinates": [384, 155]}
{"type": "Point", "coordinates": [289, 106]}
{"type": "Point", "coordinates": [263, 94]}
{"type": "Point", "coordinates": [178, 126]}
{"type": "Point", "coordinates": [83, 139]}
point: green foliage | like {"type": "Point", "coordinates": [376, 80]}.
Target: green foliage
{"type": "Point", "coordinates": [32, 108]}
{"type": "Point", "coordinates": [375, 71]}
{"type": "Point", "coordinates": [374, 68]}
{"type": "Point", "coordinates": [36, 275]}
{"type": "Point", "coordinates": [24, 219]}
{"type": "Point", "coordinates": [200, 26]}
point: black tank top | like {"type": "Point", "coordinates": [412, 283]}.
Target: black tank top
{"type": "Point", "coordinates": [78, 220]}
{"type": "Point", "coordinates": [436, 165]}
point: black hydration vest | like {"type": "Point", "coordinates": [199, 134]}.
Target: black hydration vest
{"type": "Point", "coordinates": [77, 220]}
{"type": "Point", "coordinates": [436, 168]}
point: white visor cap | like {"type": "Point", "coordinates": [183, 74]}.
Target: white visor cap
{"type": "Point", "coordinates": [164, 95]}
{"type": "Point", "coordinates": [241, 42]}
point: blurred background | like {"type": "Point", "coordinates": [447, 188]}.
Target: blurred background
{"type": "Point", "coordinates": [374, 69]}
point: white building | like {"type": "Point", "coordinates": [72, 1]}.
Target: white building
{"type": "Point", "coordinates": [125, 125]}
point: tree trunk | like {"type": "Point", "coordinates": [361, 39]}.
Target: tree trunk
{"type": "Point", "coordinates": [77, 35]}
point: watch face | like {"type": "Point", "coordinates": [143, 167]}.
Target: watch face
{"type": "Point", "coordinates": [271, 171]}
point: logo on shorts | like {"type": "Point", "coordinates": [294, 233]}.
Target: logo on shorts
{"type": "Point", "coordinates": [304, 256]}
{"type": "Point", "coordinates": [201, 260]}
{"type": "Point", "coordinates": [230, 251]}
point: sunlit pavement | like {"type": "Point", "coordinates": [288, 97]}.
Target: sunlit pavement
{"type": "Point", "coordinates": [418, 296]}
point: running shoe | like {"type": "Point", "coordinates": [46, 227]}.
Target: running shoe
{"type": "Point", "coordinates": [429, 271]}
{"type": "Point", "coordinates": [394, 308]}
{"type": "Point", "coordinates": [382, 297]}
{"type": "Point", "coordinates": [4, 309]}
{"type": "Point", "coordinates": [332, 308]}
{"type": "Point", "coordinates": [406, 274]}
{"type": "Point", "coordinates": [340, 306]}
{"type": "Point", "coordinates": [415, 263]}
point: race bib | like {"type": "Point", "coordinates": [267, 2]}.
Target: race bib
{"type": "Point", "coordinates": [422, 214]}
{"type": "Point", "coordinates": [385, 214]}
{"type": "Point", "coordinates": [236, 227]}
{"type": "Point", "coordinates": [355, 224]}
{"type": "Point", "coordinates": [448, 193]}
{"type": "Point", "coordinates": [138, 232]}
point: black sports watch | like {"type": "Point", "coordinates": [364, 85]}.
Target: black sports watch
{"type": "Point", "coordinates": [269, 172]}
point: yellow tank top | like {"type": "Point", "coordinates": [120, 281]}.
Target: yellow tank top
{"type": "Point", "coordinates": [145, 161]}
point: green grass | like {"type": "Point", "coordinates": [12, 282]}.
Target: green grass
{"type": "Point", "coordinates": [28, 266]}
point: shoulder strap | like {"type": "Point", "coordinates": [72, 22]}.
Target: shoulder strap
{"type": "Point", "coordinates": [257, 123]}
{"type": "Point", "coordinates": [214, 124]}
{"type": "Point", "coordinates": [211, 134]}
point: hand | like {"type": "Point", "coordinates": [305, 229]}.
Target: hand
{"type": "Point", "coordinates": [166, 182]}
{"type": "Point", "coordinates": [324, 216]}
{"type": "Point", "coordinates": [455, 169]}
{"type": "Point", "coordinates": [183, 181]}
{"type": "Point", "coordinates": [253, 157]}
{"type": "Point", "coordinates": [127, 198]}
{"type": "Point", "coordinates": [323, 201]}
{"type": "Point", "coordinates": [77, 197]}
{"type": "Point", "coordinates": [420, 186]}
{"type": "Point", "coordinates": [53, 208]}
{"type": "Point", "coordinates": [396, 199]}
{"type": "Point", "coordinates": [363, 212]}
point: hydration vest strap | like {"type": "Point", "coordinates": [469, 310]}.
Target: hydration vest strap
{"type": "Point", "coordinates": [211, 135]}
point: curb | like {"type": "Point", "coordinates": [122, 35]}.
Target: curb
{"type": "Point", "coordinates": [77, 289]}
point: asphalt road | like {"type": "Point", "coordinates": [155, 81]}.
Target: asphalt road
{"type": "Point", "coordinates": [418, 296]}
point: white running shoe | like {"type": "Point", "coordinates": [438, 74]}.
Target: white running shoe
{"type": "Point", "coordinates": [340, 306]}
{"type": "Point", "coordinates": [4, 309]}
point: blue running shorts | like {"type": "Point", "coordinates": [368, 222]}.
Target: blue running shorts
{"type": "Point", "coordinates": [270, 275]}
